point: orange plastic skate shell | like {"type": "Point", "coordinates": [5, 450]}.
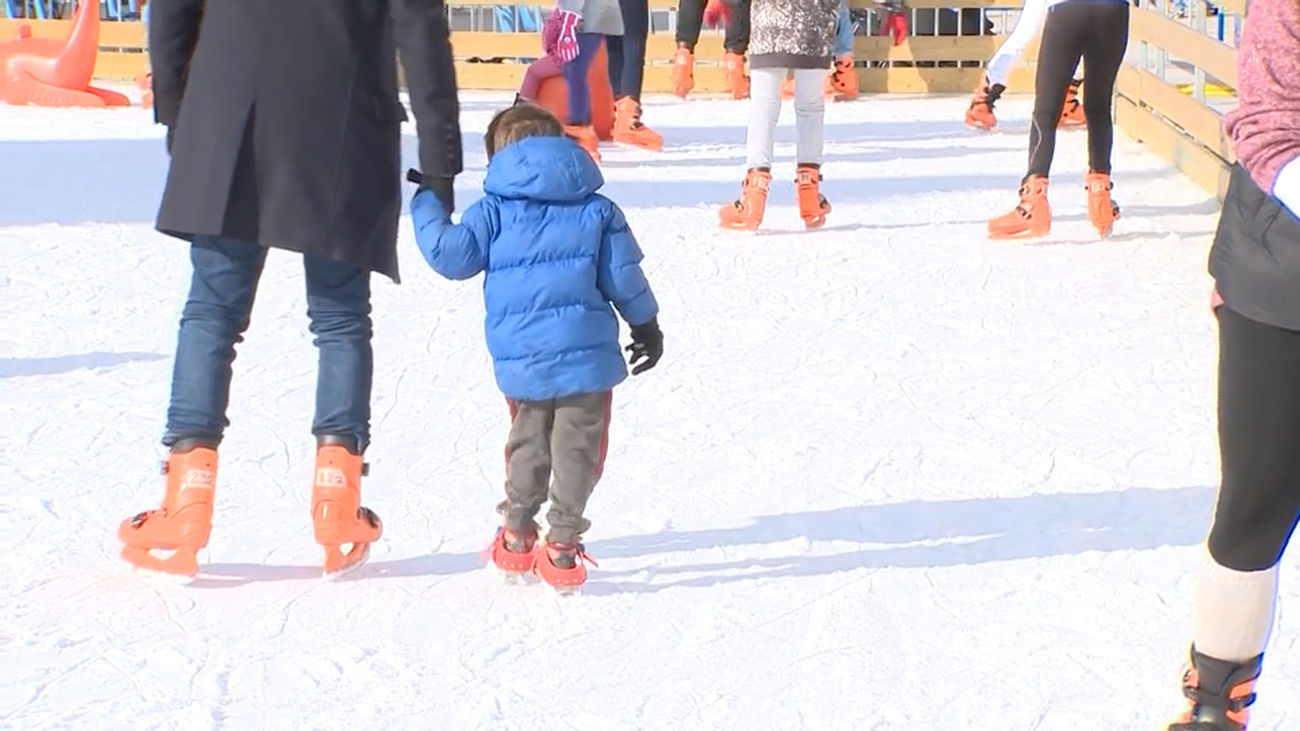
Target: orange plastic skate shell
{"type": "Point", "coordinates": [562, 578]}
{"type": "Point", "coordinates": [50, 72]}
{"type": "Point", "coordinates": [338, 518]}
{"type": "Point", "coordinates": [1031, 218]}
{"type": "Point", "coordinates": [183, 523]}
{"type": "Point", "coordinates": [512, 562]}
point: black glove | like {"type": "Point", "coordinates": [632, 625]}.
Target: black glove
{"type": "Point", "coordinates": [171, 134]}
{"type": "Point", "coordinates": [647, 344]}
{"type": "Point", "coordinates": [441, 186]}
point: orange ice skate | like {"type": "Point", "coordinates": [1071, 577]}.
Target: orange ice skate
{"type": "Point", "coordinates": [979, 115]}
{"type": "Point", "coordinates": [842, 81]}
{"type": "Point", "coordinates": [733, 65]}
{"type": "Point", "coordinates": [560, 565]}
{"type": "Point", "coordinates": [1219, 694]}
{"type": "Point", "coordinates": [338, 518]}
{"type": "Point", "coordinates": [184, 522]}
{"type": "Point", "coordinates": [683, 71]}
{"type": "Point", "coordinates": [1032, 218]}
{"type": "Point", "coordinates": [1072, 110]}
{"type": "Point", "coordinates": [628, 128]}
{"type": "Point", "coordinates": [813, 206]}
{"type": "Point", "coordinates": [1102, 211]}
{"type": "Point", "coordinates": [585, 136]}
{"type": "Point", "coordinates": [746, 212]}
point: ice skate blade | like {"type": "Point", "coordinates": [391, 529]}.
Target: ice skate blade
{"type": "Point", "coordinates": [183, 561]}
{"type": "Point", "coordinates": [510, 578]}
{"type": "Point", "coordinates": [338, 563]}
{"type": "Point", "coordinates": [1020, 235]}
{"type": "Point", "coordinates": [568, 590]}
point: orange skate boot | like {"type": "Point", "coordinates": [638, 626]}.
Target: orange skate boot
{"type": "Point", "coordinates": [979, 115]}
{"type": "Point", "coordinates": [813, 206]}
{"type": "Point", "coordinates": [746, 212]}
{"type": "Point", "coordinates": [1072, 110]}
{"type": "Point", "coordinates": [560, 566]}
{"type": "Point", "coordinates": [1032, 218]}
{"type": "Point", "coordinates": [733, 65]}
{"type": "Point", "coordinates": [787, 88]}
{"type": "Point", "coordinates": [514, 553]}
{"type": "Point", "coordinates": [184, 522]}
{"type": "Point", "coordinates": [338, 518]}
{"type": "Point", "coordinates": [585, 136]}
{"type": "Point", "coordinates": [1102, 211]}
{"type": "Point", "coordinates": [628, 128]}
{"type": "Point", "coordinates": [683, 71]}
{"type": "Point", "coordinates": [1219, 694]}
{"type": "Point", "coordinates": [842, 81]}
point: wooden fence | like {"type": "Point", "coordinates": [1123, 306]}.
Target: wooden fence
{"type": "Point", "coordinates": [1177, 80]}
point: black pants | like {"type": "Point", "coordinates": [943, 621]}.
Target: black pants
{"type": "Point", "coordinates": [1259, 443]}
{"type": "Point", "coordinates": [627, 52]}
{"type": "Point", "coordinates": [1097, 32]}
{"type": "Point", "coordinates": [690, 18]}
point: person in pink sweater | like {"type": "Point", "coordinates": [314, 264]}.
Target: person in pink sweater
{"type": "Point", "coordinates": [1255, 262]}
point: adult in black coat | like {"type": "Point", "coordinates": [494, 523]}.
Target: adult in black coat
{"type": "Point", "coordinates": [285, 121]}
{"type": "Point", "coordinates": [284, 128]}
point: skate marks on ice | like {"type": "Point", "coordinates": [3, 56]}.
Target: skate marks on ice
{"type": "Point", "coordinates": [911, 534]}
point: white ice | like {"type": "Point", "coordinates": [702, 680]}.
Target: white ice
{"type": "Point", "coordinates": [889, 474]}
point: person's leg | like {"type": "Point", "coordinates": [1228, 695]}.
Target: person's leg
{"type": "Point", "coordinates": [528, 469]}
{"type": "Point", "coordinates": [809, 115]}
{"type": "Point", "coordinates": [215, 316]}
{"type": "Point", "coordinates": [631, 67]}
{"type": "Point", "coordinates": [1255, 515]}
{"type": "Point", "coordinates": [575, 78]}
{"type": "Point", "coordinates": [1058, 55]}
{"type": "Point", "coordinates": [338, 305]}
{"type": "Point", "coordinates": [1102, 57]}
{"type": "Point", "coordinates": [690, 18]}
{"type": "Point", "coordinates": [764, 113]}
{"type": "Point", "coordinates": [736, 38]}
{"type": "Point", "coordinates": [579, 440]}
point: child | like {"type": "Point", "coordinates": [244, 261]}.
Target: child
{"type": "Point", "coordinates": [556, 256]}
{"type": "Point", "coordinates": [1097, 31]}
{"type": "Point", "coordinates": [573, 35]}
{"type": "Point", "coordinates": [785, 36]}
{"type": "Point", "coordinates": [1255, 262]}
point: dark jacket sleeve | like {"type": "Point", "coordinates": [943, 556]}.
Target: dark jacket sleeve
{"type": "Point", "coordinates": [424, 43]}
{"type": "Point", "coordinates": [173, 32]}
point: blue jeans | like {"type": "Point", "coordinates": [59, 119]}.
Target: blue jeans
{"type": "Point", "coordinates": [843, 31]}
{"type": "Point", "coordinates": [216, 314]}
{"type": "Point", "coordinates": [575, 78]}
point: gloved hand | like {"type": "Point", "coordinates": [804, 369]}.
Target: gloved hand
{"type": "Point", "coordinates": [896, 22]}
{"type": "Point", "coordinates": [442, 187]}
{"type": "Point", "coordinates": [171, 135]}
{"type": "Point", "coordinates": [717, 14]}
{"type": "Point", "coordinates": [647, 345]}
{"type": "Point", "coordinates": [564, 29]}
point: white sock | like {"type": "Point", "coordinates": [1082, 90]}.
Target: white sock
{"type": "Point", "coordinates": [1232, 610]}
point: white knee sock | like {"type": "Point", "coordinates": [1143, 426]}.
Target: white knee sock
{"type": "Point", "coordinates": [809, 114]}
{"type": "Point", "coordinates": [764, 112]}
{"type": "Point", "coordinates": [1233, 610]}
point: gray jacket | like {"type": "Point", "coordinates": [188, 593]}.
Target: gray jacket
{"type": "Point", "coordinates": [1255, 260]}
{"type": "Point", "coordinates": [793, 34]}
{"type": "Point", "coordinates": [598, 16]}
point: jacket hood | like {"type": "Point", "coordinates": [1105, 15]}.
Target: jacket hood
{"type": "Point", "coordinates": [543, 168]}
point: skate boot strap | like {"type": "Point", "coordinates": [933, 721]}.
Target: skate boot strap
{"type": "Point", "coordinates": [1204, 698]}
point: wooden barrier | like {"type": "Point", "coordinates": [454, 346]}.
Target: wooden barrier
{"type": "Point", "coordinates": [496, 60]}
{"type": "Point", "coordinates": [1173, 116]}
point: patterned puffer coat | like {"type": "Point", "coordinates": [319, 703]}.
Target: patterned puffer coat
{"type": "Point", "coordinates": [794, 34]}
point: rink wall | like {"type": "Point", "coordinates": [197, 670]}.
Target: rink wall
{"type": "Point", "coordinates": [1178, 79]}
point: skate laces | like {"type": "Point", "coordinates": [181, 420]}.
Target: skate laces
{"type": "Point", "coordinates": [569, 554]}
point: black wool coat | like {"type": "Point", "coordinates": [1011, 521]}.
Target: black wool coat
{"type": "Point", "coordinates": [286, 122]}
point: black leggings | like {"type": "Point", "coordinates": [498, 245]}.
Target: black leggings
{"type": "Point", "coordinates": [627, 52]}
{"type": "Point", "coordinates": [1259, 443]}
{"type": "Point", "coordinates": [1097, 32]}
{"type": "Point", "coordinates": [690, 18]}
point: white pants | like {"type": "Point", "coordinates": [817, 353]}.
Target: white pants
{"type": "Point", "coordinates": [765, 111]}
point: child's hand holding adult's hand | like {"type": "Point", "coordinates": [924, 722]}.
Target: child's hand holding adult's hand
{"type": "Point", "coordinates": [647, 345]}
